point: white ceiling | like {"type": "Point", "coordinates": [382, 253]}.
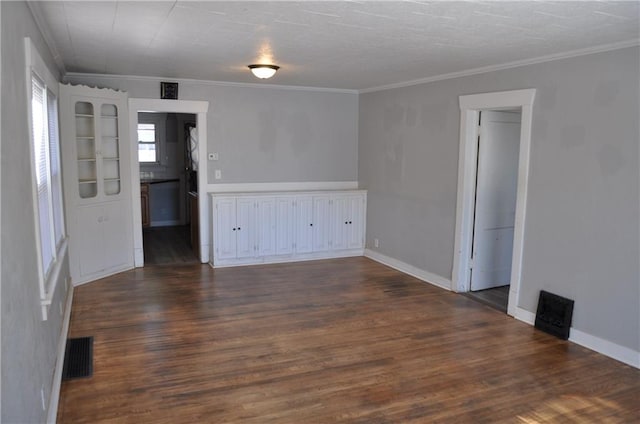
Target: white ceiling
{"type": "Point", "coordinates": [346, 45]}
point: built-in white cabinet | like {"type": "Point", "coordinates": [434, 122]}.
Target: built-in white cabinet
{"type": "Point", "coordinates": [97, 184]}
{"type": "Point", "coordinates": [280, 227]}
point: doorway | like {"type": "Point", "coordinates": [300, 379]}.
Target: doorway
{"type": "Point", "coordinates": [166, 172]}
{"type": "Point", "coordinates": [199, 110]}
{"type": "Point", "coordinates": [495, 206]}
{"type": "Point", "coordinates": [476, 235]}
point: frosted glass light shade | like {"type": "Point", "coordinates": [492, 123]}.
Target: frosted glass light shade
{"type": "Point", "coordinates": [263, 71]}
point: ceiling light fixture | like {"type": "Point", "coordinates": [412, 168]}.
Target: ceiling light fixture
{"type": "Point", "coordinates": [263, 71]}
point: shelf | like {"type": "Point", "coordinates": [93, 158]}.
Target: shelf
{"type": "Point", "coordinates": [83, 115]}
{"type": "Point", "coordinates": [85, 138]}
{"type": "Point", "coordinates": [110, 137]}
{"type": "Point", "coordinates": [111, 158]}
{"type": "Point", "coordinates": [87, 181]}
{"type": "Point", "coordinates": [86, 159]}
{"type": "Point", "coordinates": [111, 179]}
{"type": "Point", "coordinates": [109, 116]}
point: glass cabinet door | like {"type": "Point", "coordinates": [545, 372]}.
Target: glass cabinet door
{"type": "Point", "coordinates": [86, 150]}
{"type": "Point", "coordinates": [110, 150]}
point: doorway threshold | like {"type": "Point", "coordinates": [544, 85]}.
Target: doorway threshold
{"type": "Point", "coordinates": [496, 298]}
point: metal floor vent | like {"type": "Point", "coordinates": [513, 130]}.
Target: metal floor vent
{"type": "Point", "coordinates": [554, 314]}
{"type": "Point", "coordinates": [78, 358]}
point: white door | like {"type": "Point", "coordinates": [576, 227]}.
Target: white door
{"type": "Point", "coordinates": [304, 224]}
{"type": "Point", "coordinates": [90, 246]}
{"type": "Point", "coordinates": [496, 185]}
{"type": "Point", "coordinates": [224, 230]}
{"type": "Point", "coordinates": [116, 242]}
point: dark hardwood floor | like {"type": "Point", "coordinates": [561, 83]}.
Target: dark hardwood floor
{"type": "Point", "coordinates": [168, 246]}
{"type": "Point", "coordinates": [344, 340]}
{"type": "Point", "coordinates": [497, 297]}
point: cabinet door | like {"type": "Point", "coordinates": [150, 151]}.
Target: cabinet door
{"type": "Point", "coordinates": [355, 228]}
{"type": "Point", "coordinates": [284, 225]}
{"type": "Point", "coordinates": [245, 227]}
{"type": "Point", "coordinates": [88, 234]}
{"type": "Point", "coordinates": [224, 230]}
{"type": "Point", "coordinates": [339, 222]}
{"type": "Point", "coordinates": [321, 227]}
{"type": "Point", "coordinates": [266, 226]}
{"type": "Point", "coordinates": [304, 224]}
{"type": "Point", "coordinates": [116, 236]}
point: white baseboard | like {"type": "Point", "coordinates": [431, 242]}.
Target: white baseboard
{"type": "Point", "coordinates": [605, 347]}
{"type": "Point", "coordinates": [421, 274]}
{"type": "Point", "coordinates": [54, 398]}
{"type": "Point", "coordinates": [525, 316]}
{"type": "Point", "coordinates": [299, 257]}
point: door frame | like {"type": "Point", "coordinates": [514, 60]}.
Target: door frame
{"type": "Point", "coordinates": [470, 106]}
{"type": "Point", "coordinates": [198, 108]}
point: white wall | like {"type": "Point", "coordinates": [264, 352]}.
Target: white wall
{"type": "Point", "coordinates": [266, 134]}
{"type": "Point", "coordinates": [581, 230]}
{"type": "Point", "coordinates": [28, 344]}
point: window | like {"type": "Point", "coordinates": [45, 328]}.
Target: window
{"type": "Point", "coordinates": [46, 160]}
{"type": "Point", "coordinates": [147, 143]}
{"type": "Point", "coordinates": [46, 173]}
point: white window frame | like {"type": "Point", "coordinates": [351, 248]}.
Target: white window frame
{"type": "Point", "coordinates": [48, 274]}
{"type": "Point", "coordinates": [159, 119]}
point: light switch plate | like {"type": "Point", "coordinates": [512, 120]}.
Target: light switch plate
{"type": "Point", "coordinates": [218, 174]}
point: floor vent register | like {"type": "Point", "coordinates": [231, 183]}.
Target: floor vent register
{"type": "Point", "coordinates": [78, 358]}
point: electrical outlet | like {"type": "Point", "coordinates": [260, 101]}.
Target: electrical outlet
{"type": "Point", "coordinates": [376, 243]}
{"type": "Point", "coordinates": [218, 174]}
{"type": "Point", "coordinates": [213, 156]}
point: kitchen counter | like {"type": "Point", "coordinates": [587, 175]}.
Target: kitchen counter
{"type": "Point", "coordinates": [158, 180]}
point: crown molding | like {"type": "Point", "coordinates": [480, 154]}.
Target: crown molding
{"type": "Point", "coordinates": [41, 23]}
{"type": "Point", "coordinates": [82, 75]}
{"type": "Point", "coordinates": [508, 65]}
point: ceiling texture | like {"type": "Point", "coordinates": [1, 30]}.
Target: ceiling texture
{"type": "Point", "coordinates": [354, 45]}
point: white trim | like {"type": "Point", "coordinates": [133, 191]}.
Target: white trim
{"type": "Point", "coordinates": [604, 347]}
{"type": "Point", "coordinates": [52, 278]}
{"type": "Point", "coordinates": [92, 77]}
{"type": "Point", "coordinates": [426, 276]}
{"type": "Point", "coordinates": [284, 186]}
{"type": "Point", "coordinates": [52, 410]}
{"type": "Point", "coordinates": [41, 23]}
{"type": "Point", "coordinates": [199, 108]}
{"type": "Point", "coordinates": [508, 65]}
{"type": "Point", "coordinates": [469, 107]}
{"type": "Point", "coordinates": [294, 257]}
{"type": "Point", "coordinates": [524, 316]}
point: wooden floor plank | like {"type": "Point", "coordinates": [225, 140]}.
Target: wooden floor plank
{"type": "Point", "coordinates": [345, 340]}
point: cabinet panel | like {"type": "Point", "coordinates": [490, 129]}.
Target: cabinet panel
{"type": "Point", "coordinates": [285, 220]}
{"type": "Point", "coordinates": [304, 224]}
{"type": "Point", "coordinates": [224, 229]}
{"type": "Point", "coordinates": [245, 227]}
{"type": "Point", "coordinates": [339, 222]}
{"type": "Point", "coordinates": [355, 229]}
{"type": "Point", "coordinates": [114, 227]}
{"type": "Point", "coordinates": [89, 250]}
{"type": "Point", "coordinates": [321, 223]}
{"type": "Point", "coordinates": [266, 226]}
